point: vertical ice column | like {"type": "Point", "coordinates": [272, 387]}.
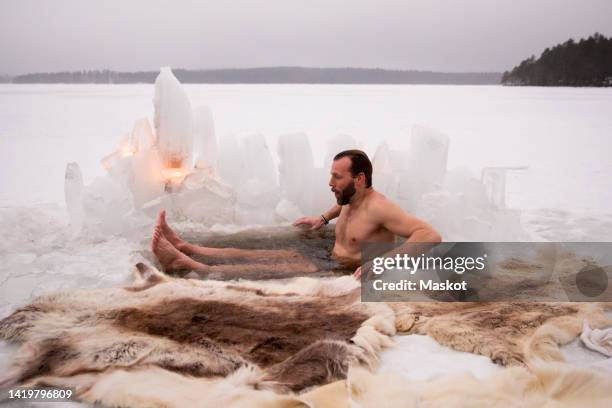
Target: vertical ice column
{"type": "Point", "coordinates": [73, 193]}
{"type": "Point", "coordinates": [383, 177]}
{"type": "Point", "coordinates": [205, 142]}
{"type": "Point", "coordinates": [423, 167]}
{"type": "Point", "coordinates": [321, 196]}
{"type": "Point", "coordinates": [494, 181]}
{"type": "Point", "coordinates": [429, 153]}
{"type": "Point", "coordinates": [296, 169]}
{"type": "Point", "coordinates": [142, 137]}
{"type": "Point", "coordinates": [230, 164]}
{"type": "Point", "coordinates": [258, 161]}
{"type": "Point", "coordinates": [258, 189]}
{"type": "Point", "coordinates": [173, 121]}
{"type": "Point", "coordinates": [337, 144]}
{"type": "Point", "coordinates": [146, 182]}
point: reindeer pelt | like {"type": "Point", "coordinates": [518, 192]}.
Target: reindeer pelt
{"type": "Point", "coordinates": [510, 333]}
{"type": "Point", "coordinates": [283, 337]}
{"type": "Point", "coordinates": [540, 385]}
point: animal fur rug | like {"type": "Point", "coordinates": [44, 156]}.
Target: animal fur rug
{"type": "Point", "coordinates": [202, 337]}
{"type": "Point", "coordinates": [509, 333]}
{"type": "Point", "coordinates": [172, 342]}
{"type": "Point", "coordinates": [540, 385]}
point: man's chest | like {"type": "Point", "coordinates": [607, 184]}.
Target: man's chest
{"type": "Point", "coordinates": [354, 228]}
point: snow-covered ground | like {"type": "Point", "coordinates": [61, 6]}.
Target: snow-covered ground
{"type": "Point", "coordinates": [561, 134]}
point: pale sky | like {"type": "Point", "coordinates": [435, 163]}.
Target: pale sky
{"type": "Point", "coordinates": [438, 35]}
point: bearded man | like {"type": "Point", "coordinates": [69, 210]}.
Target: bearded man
{"type": "Point", "coordinates": [365, 215]}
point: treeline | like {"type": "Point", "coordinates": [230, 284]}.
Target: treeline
{"type": "Point", "coordinates": [584, 63]}
{"type": "Point", "coordinates": [278, 75]}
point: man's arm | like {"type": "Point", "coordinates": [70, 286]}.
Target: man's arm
{"type": "Point", "coordinates": [399, 222]}
{"type": "Point", "coordinates": [317, 222]}
{"type": "Point", "coordinates": [333, 212]}
{"type": "Point", "coordinates": [420, 236]}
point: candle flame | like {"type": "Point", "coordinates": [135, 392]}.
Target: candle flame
{"type": "Point", "coordinates": [174, 175]}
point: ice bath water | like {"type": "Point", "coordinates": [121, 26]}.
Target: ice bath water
{"type": "Point", "coordinates": [314, 246]}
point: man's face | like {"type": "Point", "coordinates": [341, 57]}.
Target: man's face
{"type": "Point", "coordinates": [342, 182]}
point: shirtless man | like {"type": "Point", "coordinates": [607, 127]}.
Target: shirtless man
{"type": "Point", "coordinates": [365, 215]}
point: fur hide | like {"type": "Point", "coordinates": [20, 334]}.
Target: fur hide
{"type": "Point", "coordinates": [173, 342]}
{"type": "Point", "coordinates": [255, 336]}
{"type": "Point", "coordinates": [510, 333]}
{"type": "Point", "coordinates": [516, 332]}
{"type": "Point", "coordinates": [541, 385]}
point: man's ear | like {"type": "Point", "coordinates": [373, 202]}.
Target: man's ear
{"type": "Point", "coordinates": [361, 178]}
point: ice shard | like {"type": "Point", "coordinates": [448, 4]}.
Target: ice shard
{"type": "Point", "coordinates": [258, 189]}
{"type": "Point", "coordinates": [494, 181]}
{"type": "Point", "coordinates": [230, 165]}
{"type": "Point", "coordinates": [73, 193]}
{"type": "Point", "coordinates": [296, 169]}
{"type": "Point", "coordinates": [147, 181]}
{"type": "Point", "coordinates": [421, 169]}
{"type": "Point", "coordinates": [337, 144]}
{"type": "Point", "coordinates": [258, 159]}
{"type": "Point", "coordinates": [173, 121]}
{"type": "Point", "coordinates": [383, 176]}
{"type": "Point", "coordinates": [205, 140]}
{"type": "Point", "coordinates": [142, 136]}
{"type": "Point", "coordinates": [322, 196]}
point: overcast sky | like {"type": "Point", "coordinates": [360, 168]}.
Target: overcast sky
{"type": "Point", "coordinates": [439, 35]}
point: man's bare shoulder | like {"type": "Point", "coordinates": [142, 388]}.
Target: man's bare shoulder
{"type": "Point", "coordinates": [379, 205]}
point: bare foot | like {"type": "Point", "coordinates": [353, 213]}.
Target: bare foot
{"type": "Point", "coordinates": [170, 257]}
{"type": "Point", "coordinates": [169, 234]}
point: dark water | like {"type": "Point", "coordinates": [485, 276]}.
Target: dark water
{"type": "Point", "coordinates": [314, 246]}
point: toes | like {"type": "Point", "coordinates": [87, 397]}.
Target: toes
{"type": "Point", "coordinates": [156, 236]}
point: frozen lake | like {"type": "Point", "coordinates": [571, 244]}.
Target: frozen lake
{"type": "Point", "coordinates": [562, 134]}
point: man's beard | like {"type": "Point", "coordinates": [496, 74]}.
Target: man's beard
{"type": "Point", "coordinates": [346, 194]}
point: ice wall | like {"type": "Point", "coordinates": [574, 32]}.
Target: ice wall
{"type": "Point", "coordinates": [246, 182]}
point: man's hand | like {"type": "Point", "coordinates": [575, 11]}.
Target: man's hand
{"type": "Point", "coordinates": [313, 222]}
{"type": "Point", "coordinates": [365, 268]}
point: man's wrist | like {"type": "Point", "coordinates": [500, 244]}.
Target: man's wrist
{"type": "Point", "coordinates": [325, 220]}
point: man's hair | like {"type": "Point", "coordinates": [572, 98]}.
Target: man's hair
{"type": "Point", "coordinates": [360, 163]}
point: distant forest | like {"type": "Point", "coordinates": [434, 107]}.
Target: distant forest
{"type": "Point", "coordinates": [584, 63]}
{"type": "Point", "coordinates": [277, 75]}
